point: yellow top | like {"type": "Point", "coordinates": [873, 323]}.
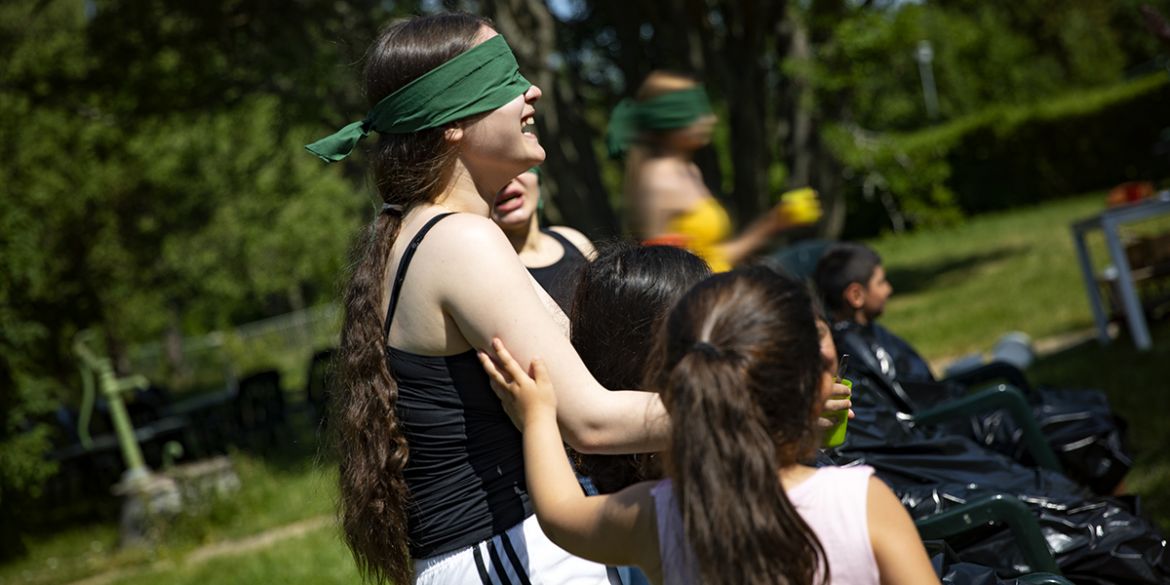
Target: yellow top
{"type": "Point", "coordinates": [703, 229]}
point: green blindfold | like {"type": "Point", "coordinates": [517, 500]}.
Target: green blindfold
{"type": "Point", "coordinates": [479, 80]}
{"type": "Point", "coordinates": [669, 111]}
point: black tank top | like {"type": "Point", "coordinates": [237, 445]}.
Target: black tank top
{"type": "Point", "coordinates": [560, 278]}
{"type": "Point", "coordinates": [466, 468]}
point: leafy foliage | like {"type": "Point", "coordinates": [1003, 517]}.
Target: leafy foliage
{"type": "Point", "coordinates": [1012, 155]}
{"type": "Point", "coordinates": [153, 184]}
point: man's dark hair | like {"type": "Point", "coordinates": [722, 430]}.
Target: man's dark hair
{"type": "Point", "coordinates": [840, 266]}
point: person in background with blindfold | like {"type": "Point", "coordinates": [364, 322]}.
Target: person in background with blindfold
{"type": "Point", "coordinates": [659, 131]}
{"type": "Point", "coordinates": [432, 484]}
{"type": "Point", "coordinates": [554, 255]}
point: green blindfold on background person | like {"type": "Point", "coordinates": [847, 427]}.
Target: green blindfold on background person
{"type": "Point", "coordinates": [479, 80]}
{"type": "Point", "coordinates": [669, 111]}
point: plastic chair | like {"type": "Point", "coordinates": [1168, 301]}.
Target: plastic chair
{"type": "Point", "coordinates": [997, 397]}
{"type": "Point", "coordinates": [997, 509]}
{"type": "Point", "coordinates": [259, 407]}
{"type": "Point", "coordinates": [991, 372]}
{"type": "Point", "coordinates": [318, 383]}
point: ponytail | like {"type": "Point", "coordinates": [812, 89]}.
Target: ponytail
{"type": "Point", "coordinates": [738, 366]}
{"type": "Point", "coordinates": [737, 518]}
{"type": "Point", "coordinates": [370, 442]}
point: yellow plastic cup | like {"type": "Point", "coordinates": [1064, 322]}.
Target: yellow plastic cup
{"type": "Point", "coordinates": [835, 435]}
{"type": "Point", "coordinates": [800, 206]}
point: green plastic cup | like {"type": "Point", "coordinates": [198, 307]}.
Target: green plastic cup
{"type": "Point", "coordinates": [835, 435]}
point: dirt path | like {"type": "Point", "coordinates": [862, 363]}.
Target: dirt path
{"type": "Point", "coordinates": [226, 548]}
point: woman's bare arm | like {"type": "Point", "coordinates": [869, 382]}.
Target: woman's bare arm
{"type": "Point", "coordinates": [756, 236]}
{"type": "Point", "coordinates": [483, 286]}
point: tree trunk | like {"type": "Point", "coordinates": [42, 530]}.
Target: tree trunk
{"type": "Point", "coordinates": [744, 81]}
{"type": "Point", "coordinates": [824, 169]}
{"type": "Point", "coordinates": [572, 185]}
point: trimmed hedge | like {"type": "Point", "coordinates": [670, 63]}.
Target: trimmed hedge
{"type": "Point", "coordinates": [1009, 156]}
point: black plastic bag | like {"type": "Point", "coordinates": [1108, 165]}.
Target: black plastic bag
{"type": "Point", "coordinates": [1096, 540]}
{"type": "Point", "coordinates": [1079, 425]}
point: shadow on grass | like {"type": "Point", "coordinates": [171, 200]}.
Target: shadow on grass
{"type": "Point", "coordinates": [1138, 386]}
{"type": "Point", "coordinates": [922, 276]}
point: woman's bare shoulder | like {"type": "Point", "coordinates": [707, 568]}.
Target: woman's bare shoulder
{"type": "Point", "coordinates": [463, 243]}
{"type": "Point", "coordinates": [464, 231]}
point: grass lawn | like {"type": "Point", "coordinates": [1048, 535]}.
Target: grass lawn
{"type": "Point", "coordinates": [957, 291]}
{"type": "Point", "coordinates": [318, 557]}
{"type": "Point", "coordinates": [277, 490]}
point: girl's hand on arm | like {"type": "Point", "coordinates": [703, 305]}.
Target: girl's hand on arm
{"type": "Point", "coordinates": [526, 396]}
{"type": "Point", "coordinates": [616, 529]}
{"type": "Point", "coordinates": [900, 555]}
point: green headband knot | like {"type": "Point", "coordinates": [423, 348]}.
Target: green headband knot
{"type": "Point", "coordinates": [479, 80]}
{"type": "Point", "coordinates": [669, 111]}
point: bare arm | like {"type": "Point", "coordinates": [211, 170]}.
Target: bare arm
{"type": "Point", "coordinates": [485, 289]}
{"type": "Point", "coordinates": [788, 214]}
{"type": "Point", "coordinates": [753, 238]}
{"type": "Point", "coordinates": [901, 558]}
{"type": "Point", "coordinates": [618, 529]}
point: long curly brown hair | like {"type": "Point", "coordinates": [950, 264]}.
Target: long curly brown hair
{"type": "Point", "coordinates": [738, 365]}
{"type": "Point", "coordinates": [408, 169]}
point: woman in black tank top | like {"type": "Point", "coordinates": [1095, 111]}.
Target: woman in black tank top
{"type": "Point", "coordinates": [432, 486]}
{"type": "Point", "coordinates": [553, 259]}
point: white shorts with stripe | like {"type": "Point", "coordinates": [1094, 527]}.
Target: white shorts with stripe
{"type": "Point", "coordinates": [522, 555]}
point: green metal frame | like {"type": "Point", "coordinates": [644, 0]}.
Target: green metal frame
{"type": "Point", "coordinates": [996, 508]}
{"type": "Point", "coordinates": [99, 369]}
{"type": "Point", "coordinates": [998, 397]}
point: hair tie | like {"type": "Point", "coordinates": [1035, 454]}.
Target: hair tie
{"type": "Point", "coordinates": [392, 207]}
{"type": "Point", "coordinates": [706, 349]}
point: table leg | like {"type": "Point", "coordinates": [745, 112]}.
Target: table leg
{"type": "Point", "coordinates": [1134, 315]}
{"type": "Point", "coordinates": [1096, 305]}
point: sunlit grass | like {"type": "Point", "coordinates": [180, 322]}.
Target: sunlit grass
{"type": "Point", "coordinates": [317, 557]}
{"type": "Point", "coordinates": [276, 491]}
{"type": "Point", "coordinates": [957, 290]}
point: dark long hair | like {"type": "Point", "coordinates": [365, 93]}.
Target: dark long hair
{"type": "Point", "coordinates": [408, 169]}
{"type": "Point", "coordinates": [621, 300]}
{"type": "Point", "coordinates": [738, 365]}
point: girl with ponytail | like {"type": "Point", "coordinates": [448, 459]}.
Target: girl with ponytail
{"type": "Point", "coordinates": [739, 365]}
{"type": "Point", "coordinates": [432, 486]}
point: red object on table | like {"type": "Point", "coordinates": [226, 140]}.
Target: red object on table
{"type": "Point", "coordinates": [1130, 192]}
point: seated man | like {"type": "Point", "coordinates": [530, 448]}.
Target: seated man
{"type": "Point", "coordinates": [1079, 424]}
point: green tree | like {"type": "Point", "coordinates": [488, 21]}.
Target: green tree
{"type": "Point", "coordinates": [154, 181]}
